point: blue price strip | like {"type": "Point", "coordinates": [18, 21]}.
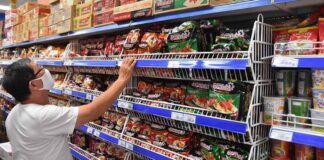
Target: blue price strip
{"type": "Point", "coordinates": [213, 122]}
{"type": "Point", "coordinates": [78, 155]}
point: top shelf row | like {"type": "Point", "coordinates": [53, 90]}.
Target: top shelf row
{"type": "Point", "coordinates": [250, 6]}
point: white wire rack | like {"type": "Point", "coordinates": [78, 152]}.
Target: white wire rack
{"type": "Point", "coordinates": [307, 124]}
{"type": "Point", "coordinates": [300, 49]}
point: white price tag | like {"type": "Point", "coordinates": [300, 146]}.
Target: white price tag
{"type": "Point", "coordinates": [88, 96]}
{"type": "Point", "coordinates": [89, 130]}
{"type": "Point", "coordinates": [189, 118]}
{"type": "Point", "coordinates": [68, 92]}
{"type": "Point", "coordinates": [122, 143]}
{"type": "Point", "coordinates": [119, 63]}
{"type": "Point", "coordinates": [126, 105]}
{"type": "Point", "coordinates": [281, 135]}
{"type": "Point", "coordinates": [96, 133]}
{"type": "Point", "coordinates": [68, 63]}
{"type": "Point", "coordinates": [129, 146]}
{"type": "Point", "coordinates": [173, 64]}
{"type": "Point", "coordinates": [281, 61]}
{"type": "Point", "coordinates": [177, 116]}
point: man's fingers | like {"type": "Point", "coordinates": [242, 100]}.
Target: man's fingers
{"type": "Point", "coordinates": [133, 63]}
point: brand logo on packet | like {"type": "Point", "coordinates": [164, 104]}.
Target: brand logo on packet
{"type": "Point", "coordinates": [235, 155]}
{"type": "Point", "coordinates": [200, 85]}
{"type": "Point", "coordinates": [163, 2]}
{"type": "Point", "coordinates": [180, 36]}
{"type": "Point", "coordinates": [224, 87]}
{"type": "Point", "coordinates": [206, 146]}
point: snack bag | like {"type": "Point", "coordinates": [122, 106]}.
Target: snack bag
{"type": "Point", "coordinates": [321, 35]}
{"type": "Point", "coordinates": [132, 40]}
{"type": "Point", "coordinates": [197, 94]}
{"type": "Point", "coordinates": [158, 135]}
{"type": "Point", "coordinates": [209, 29]}
{"type": "Point", "coordinates": [145, 132]}
{"type": "Point", "coordinates": [150, 43]}
{"type": "Point", "coordinates": [180, 141]}
{"type": "Point", "coordinates": [157, 91]}
{"type": "Point", "coordinates": [310, 20]}
{"type": "Point", "coordinates": [119, 44]}
{"type": "Point", "coordinates": [134, 126]}
{"type": "Point", "coordinates": [301, 41]}
{"type": "Point", "coordinates": [226, 97]}
{"type": "Point", "coordinates": [183, 38]}
{"type": "Point", "coordinates": [281, 35]}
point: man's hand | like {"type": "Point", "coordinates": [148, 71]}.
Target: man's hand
{"type": "Point", "coordinates": [126, 69]}
{"type": "Point", "coordinates": [97, 107]}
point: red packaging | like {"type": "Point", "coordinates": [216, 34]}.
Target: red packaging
{"type": "Point", "coordinates": [319, 154]}
{"type": "Point", "coordinates": [301, 41]}
{"type": "Point", "coordinates": [103, 18]}
{"type": "Point", "coordinates": [280, 36]}
{"type": "Point", "coordinates": [303, 152]}
{"type": "Point", "coordinates": [144, 87]}
{"type": "Point", "coordinates": [103, 5]}
{"type": "Point", "coordinates": [280, 149]}
{"type": "Point", "coordinates": [311, 19]}
{"type": "Point", "coordinates": [119, 44]}
{"type": "Point", "coordinates": [145, 132]}
{"type": "Point", "coordinates": [134, 126]}
{"type": "Point", "coordinates": [92, 144]}
{"type": "Point", "coordinates": [321, 34]}
{"type": "Point", "coordinates": [132, 41]}
{"type": "Point", "coordinates": [179, 140]}
{"type": "Point", "coordinates": [150, 43]}
{"type": "Point", "coordinates": [109, 47]}
{"type": "Point", "coordinates": [158, 135]}
{"type": "Point", "coordinates": [79, 139]}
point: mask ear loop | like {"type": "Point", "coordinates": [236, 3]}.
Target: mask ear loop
{"type": "Point", "coordinates": [38, 72]}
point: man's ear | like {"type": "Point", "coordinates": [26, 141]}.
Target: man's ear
{"type": "Point", "coordinates": [33, 85]}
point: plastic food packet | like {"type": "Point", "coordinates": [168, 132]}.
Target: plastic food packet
{"type": "Point", "coordinates": [132, 41]}
{"type": "Point", "coordinates": [144, 87]}
{"type": "Point", "coordinates": [302, 41]}
{"type": "Point", "coordinates": [134, 126]}
{"type": "Point", "coordinates": [304, 152]}
{"type": "Point", "coordinates": [88, 83]}
{"type": "Point", "coordinates": [231, 41]}
{"type": "Point", "coordinates": [280, 149]}
{"type": "Point", "coordinates": [180, 141]}
{"type": "Point", "coordinates": [119, 44]}
{"type": "Point", "coordinates": [183, 38]}
{"type": "Point", "coordinates": [145, 132]}
{"type": "Point", "coordinates": [281, 35]}
{"type": "Point", "coordinates": [209, 29]}
{"type": "Point", "coordinates": [157, 91]}
{"type": "Point", "coordinates": [321, 34]}
{"type": "Point", "coordinates": [226, 97]}
{"type": "Point", "coordinates": [150, 43]}
{"type": "Point", "coordinates": [197, 94]}
{"type": "Point", "coordinates": [158, 135]}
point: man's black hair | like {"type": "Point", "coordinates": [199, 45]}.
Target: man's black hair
{"type": "Point", "coordinates": [16, 79]}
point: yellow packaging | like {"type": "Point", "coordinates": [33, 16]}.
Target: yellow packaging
{"type": "Point", "coordinates": [83, 9]}
{"type": "Point", "coordinates": [43, 22]}
{"type": "Point", "coordinates": [82, 22]}
{"type": "Point", "coordinates": [43, 31]}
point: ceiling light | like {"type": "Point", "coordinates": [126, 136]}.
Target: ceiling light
{"type": "Point", "coordinates": [3, 7]}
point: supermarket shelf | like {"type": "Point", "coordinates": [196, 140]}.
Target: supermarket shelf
{"type": "Point", "coordinates": [50, 62]}
{"type": "Point", "coordinates": [5, 62]}
{"type": "Point", "coordinates": [131, 143]}
{"type": "Point", "coordinates": [238, 64]}
{"type": "Point", "coordinates": [300, 136]}
{"type": "Point", "coordinates": [56, 91]}
{"type": "Point", "coordinates": [80, 154]}
{"type": "Point", "coordinates": [99, 134]}
{"type": "Point", "coordinates": [80, 94]}
{"type": "Point", "coordinates": [171, 112]}
{"type": "Point", "coordinates": [91, 63]}
{"type": "Point", "coordinates": [7, 96]}
{"type": "Point", "coordinates": [247, 7]}
{"type": "Point", "coordinates": [314, 62]}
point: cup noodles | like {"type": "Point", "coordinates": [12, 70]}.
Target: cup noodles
{"type": "Point", "coordinates": [302, 41]}
{"type": "Point", "coordinates": [318, 98]}
{"type": "Point", "coordinates": [318, 78]}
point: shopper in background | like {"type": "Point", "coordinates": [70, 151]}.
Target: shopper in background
{"type": "Point", "coordinates": [39, 131]}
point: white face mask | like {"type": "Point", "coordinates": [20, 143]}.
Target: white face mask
{"type": "Point", "coordinates": [47, 79]}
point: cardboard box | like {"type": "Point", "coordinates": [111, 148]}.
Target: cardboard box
{"type": "Point", "coordinates": [51, 19]}
{"type": "Point", "coordinates": [65, 26]}
{"type": "Point", "coordinates": [166, 6]}
{"type": "Point", "coordinates": [43, 31]}
{"type": "Point", "coordinates": [52, 29]}
{"type": "Point", "coordinates": [57, 16]}
{"type": "Point", "coordinates": [82, 22]}
{"type": "Point", "coordinates": [103, 18]}
{"type": "Point", "coordinates": [103, 5]}
{"type": "Point", "coordinates": [68, 12]}
{"type": "Point", "coordinates": [140, 9]}
{"type": "Point", "coordinates": [11, 18]}
{"type": "Point", "coordinates": [54, 1]}
{"type": "Point", "coordinates": [26, 7]}
{"type": "Point", "coordinates": [25, 35]}
{"type": "Point", "coordinates": [43, 22]}
{"type": "Point", "coordinates": [37, 13]}
{"type": "Point", "coordinates": [83, 9]}
{"type": "Point", "coordinates": [70, 2]}
{"type": "Point", "coordinates": [6, 151]}
{"type": "Point", "coordinates": [34, 30]}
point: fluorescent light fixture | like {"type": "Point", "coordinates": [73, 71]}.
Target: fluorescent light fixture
{"type": "Point", "coordinates": [3, 7]}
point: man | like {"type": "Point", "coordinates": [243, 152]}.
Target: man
{"type": "Point", "coordinates": [39, 131]}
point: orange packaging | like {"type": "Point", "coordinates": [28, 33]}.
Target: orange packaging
{"type": "Point", "coordinates": [304, 152]}
{"type": "Point", "coordinates": [280, 150]}
{"type": "Point", "coordinates": [319, 154]}
{"type": "Point", "coordinates": [302, 41]}
{"type": "Point", "coordinates": [43, 22]}
{"type": "Point", "coordinates": [321, 34]}
{"type": "Point", "coordinates": [43, 31]}
{"type": "Point", "coordinates": [82, 22]}
{"type": "Point", "coordinates": [26, 7]}
{"type": "Point", "coordinates": [103, 18]}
